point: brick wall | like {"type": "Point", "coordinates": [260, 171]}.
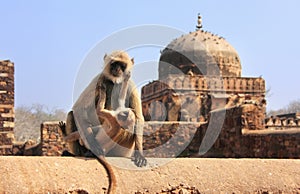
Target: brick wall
{"type": "Point", "coordinates": [6, 107]}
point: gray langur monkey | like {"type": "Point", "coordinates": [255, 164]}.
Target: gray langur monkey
{"type": "Point", "coordinates": [92, 109]}
{"type": "Point", "coordinates": [117, 126]}
{"type": "Point", "coordinates": [114, 135]}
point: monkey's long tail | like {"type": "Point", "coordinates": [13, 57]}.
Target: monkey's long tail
{"type": "Point", "coordinates": [111, 175]}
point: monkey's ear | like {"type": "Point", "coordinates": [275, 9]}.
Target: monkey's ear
{"type": "Point", "coordinates": [104, 56]}
{"type": "Point", "coordinates": [132, 60]}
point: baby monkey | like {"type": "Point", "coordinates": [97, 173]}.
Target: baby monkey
{"type": "Point", "coordinates": [118, 125]}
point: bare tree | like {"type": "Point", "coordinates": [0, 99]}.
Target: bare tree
{"type": "Point", "coordinates": [292, 107]}
{"type": "Point", "coordinates": [29, 118]}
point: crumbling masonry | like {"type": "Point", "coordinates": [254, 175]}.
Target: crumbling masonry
{"type": "Point", "coordinates": [6, 107]}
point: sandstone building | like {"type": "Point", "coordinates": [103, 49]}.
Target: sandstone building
{"type": "Point", "coordinates": [201, 98]}
{"type": "Point", "coordinates": [200, 72]}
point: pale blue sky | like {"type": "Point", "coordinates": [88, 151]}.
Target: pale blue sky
{"type": "Point", "coordinates": [48, 40]}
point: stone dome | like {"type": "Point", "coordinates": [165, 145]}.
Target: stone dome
{"type": "Point", "coordinates": [199, 53]}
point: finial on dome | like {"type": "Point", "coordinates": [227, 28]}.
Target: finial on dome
{"type": "Point", "coordinates": [199, 22]}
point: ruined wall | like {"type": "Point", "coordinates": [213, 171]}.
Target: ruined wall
{"type": "Point", "coordinates": [239, 132]}
{"type": "Point", "coordinates": [161, 139]}
{"type": "Point", "coordinates": [6, 107]}
{"type": "Point", "coordinates": [52, 143]}
{"type": "Point", "coordinates": [272, 144]}
{"type": "Point", "coordinates": [281, 122]}
{"type": "Point", "coordinates": [231, 132]}
{"type": "Point", "coordinates": [169, 139]}
{"type": "Point", "coordinates": [238, 140]}
{"type": "Point", "coordinates": [184, 139]}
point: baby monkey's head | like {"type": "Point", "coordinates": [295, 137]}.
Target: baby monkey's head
{"type": "Point", "coordinates": [126, 118]}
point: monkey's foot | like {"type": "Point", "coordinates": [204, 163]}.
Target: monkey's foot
{"type": "Point", "coordinates": [67, 153]}
{"type": "Point", "coordinates": [89, 154]}
{"type": "Point", "coordinates": [139, 160]}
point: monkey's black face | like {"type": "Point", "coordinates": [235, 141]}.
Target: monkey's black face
{"type": "Point", "coordinates": [117, 68]}
{"type": "Point", "coordinates": [122, 116]}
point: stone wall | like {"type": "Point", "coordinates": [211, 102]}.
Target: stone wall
{"type": "Point", "coordinates": [272, 144]}
{"type": "Point", "coordinates": [284, 121]}
{"type": "Point", "coordinates": [6, 107]}
{"type": "Point", "coordinates": [232, 132]}
{"type": "Point", "coordinates": [161, 139]}
{"type": "Point", "coordinates": [52, 143]}
{"type": "Point", "coordinates": [237, 140]}
{"type": "Point", "coordinates": [229, 137]}
{"type": "Point", "coordinates": [169, 139]}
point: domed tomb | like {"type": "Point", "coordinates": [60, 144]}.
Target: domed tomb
{"type": "Point", "coordinates": [199, 53]}
{"type": "Point", "coordinates": [200, 72]}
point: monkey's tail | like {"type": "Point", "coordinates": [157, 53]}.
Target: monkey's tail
{"type": "Point", "coordinates": [111, 175]}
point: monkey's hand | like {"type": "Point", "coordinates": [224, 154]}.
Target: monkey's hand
{"type": "Point", "coordinates": [62, 126]}
{"type": "Point", "coordinates": [127, 76]}
{"type": "Point", "coordinates": [139, 160]}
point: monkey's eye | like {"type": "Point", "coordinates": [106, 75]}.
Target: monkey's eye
{"type": "Point", "coordinates": [118, 64]}
{"type": "Point", "coordinates": [123, 66]}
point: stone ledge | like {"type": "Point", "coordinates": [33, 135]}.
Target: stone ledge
{"type": "Point", "coordinates": [288, 131]}
{"type": "Point", "coordinates": [71, 175]}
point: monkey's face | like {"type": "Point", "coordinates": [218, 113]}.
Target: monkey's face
{"type": "Point", "coordinates": [126, 118]}
{"type": "Point", "coordinates": [117, 68]}
{"type": "Point", "coordinates": [115, 64]}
